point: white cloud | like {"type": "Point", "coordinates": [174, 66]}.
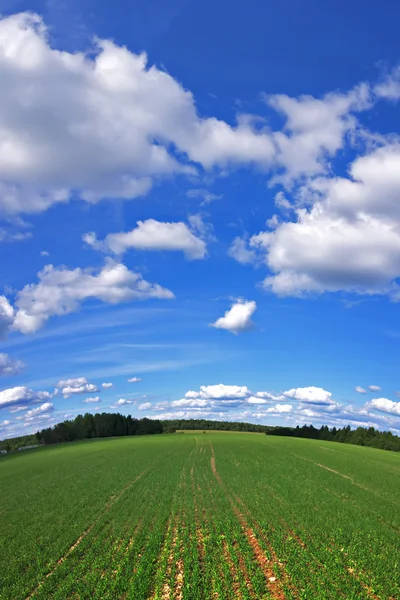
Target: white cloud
{"type": "Point", "coordinates": [204, 194]}
{"type": "Point", "coordinates": [279, 409]}
{"type": "Point", "coordinates": [44, 408]}
{"type": "Point", "coordinates": [219, 396]}
{"type": "Point", "coordinates": [21, 395]}
{"type": "Point", "coordinates": [61, 291]}
{"type": "Point", "coordinates": [219, 392]}
{"type": "Point", "coordinates": [360, 390]}
{"type": "Point", "coordinates": [188, 403]}
{"type": "Point", "coordinates": [389, 88]}
{"type": "Point", "coordinates": [223, 397]}
{"type": "Point", "coordinates": [310, 395]}
{"type": "Point", "coordinates": [123, 401]}
{"type": "Point", "coordinates": [10, 366]}
{"type": "Point", "coordinates": [110, 125]}
{"type": "Point", "coordinates": [240, 252]}
{"type": "Point", "coordinates": [44, 253]}
{"type": "Point", "coordinates": [385, 405]}
{"type": "Point", "coordinates": [14, 236]}
{"type": "Point", "coordinates": [269, 396]}
{"type": "Point", "coordinates": [144, 406]}
{"type": "Point", "coordinates": [265, 398]}
{"type": "Point", "coordinates": [256, 400]}
{"type": "Point", "coordinates": [315, 129]}
{"type": "Point", "coordinates": [6, 316]}
{"type": "Point", "coordinates": [107, 123]}
{"type": "Point", "coordinates": [92, 400]}
{"type": "Point", "coordinates": [134, 380]}
{"type": "Point", "coordinates": [77, 385]}
{"type": "Point", "coordinates": [106, 385]}
{"type": "Point", "coordinates": [153, 235]}
{"type": "Point", "coordinates": [238, 318]}
{"type": "Point", "coordinates": [347, 238]}
{"type": "Point", "coordinates": [18, 408]}
{"type": "Point", "coordinates": [374, 388]}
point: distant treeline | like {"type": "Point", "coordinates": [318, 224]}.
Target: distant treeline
{"type": "Point", "coordinates": [113, 424]}
{"type": "Point", "coordinates": [176, 424]}
{"type": "Point", "coordinates": [98, 426]}
{"type": "Point", "coordinates": [18, 442]}
{"type": "Point", "coordinates": [385, 440]}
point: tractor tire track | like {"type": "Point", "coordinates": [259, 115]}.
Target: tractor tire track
{"type": "Point", "coordinates": [274, 584]}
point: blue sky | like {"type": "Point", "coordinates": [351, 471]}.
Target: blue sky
{"type": "Point", "coordinates": [203, 197]}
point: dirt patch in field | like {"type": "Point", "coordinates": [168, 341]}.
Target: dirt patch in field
{"type": "Point", "coordinates": [214, 466]}
{"type": "Point", "coordinates": [166, 589]}
{"type": "Point", "coordinates": [179, 577]}
{"type": "Point", "coordinates": [266, 565]}
{"type": "Point", "coordinates": [199, 530]}
{"type": "Point", "coordinates": [274, 584]}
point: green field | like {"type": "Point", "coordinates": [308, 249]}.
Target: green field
{"type": "Point", "coordinates": [198, 516]}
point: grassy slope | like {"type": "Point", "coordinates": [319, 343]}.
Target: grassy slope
{"type": "Point", "coordinates": [199, 516]}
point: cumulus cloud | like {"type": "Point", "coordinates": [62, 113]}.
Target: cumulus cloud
{"type": "Point", "coordinates": [385, 405]}
{"type": "Point", "coordinates": [265, 398]}
{"type": "Point", "coordinates": [219, 396]}
{"type": "Point", "coordinates": [188, 403]}
{"type": "Point", "coordinates": [257, 400]}
{"type": "Point", "coordinates": [153, 235]}
{"type": "Point", "coordinates": [310, 395]}
{"type": "Point", "coordinates": [123, 401]}
{"type": "Point", "coordinates": [238, 318]}
{"type": "Point", "coordinates": [315, 129]}
{"type": "Point", "coordinates": [18, 408]}
{"type": "Point", "coordinates": [109, 121]}
{"type": "Point", "coordinates": [144, 406]}
{"type": "Point", "coordinates": [241, 253]}
{"type": "Point", "coordinates": [270, 397]}
{"type": "Point", "coordinates": [374, 388]}
{"type": "Point", "coordinates": [219, 392]}
{"type": "Point", "coordinates": [77, 385]}
{"type": "Point", "coordinates": [10, 366]}
{"type": "Point", "coordinates": [134, 380]}
{"type": "Point", "coordinates": [21, 395]}
{"type": "Point", "coordinates": [6, 316]}
{"type": "Point", "coordinates": [360, 390]}
{"type": "Point", "coordinates": [92, 400]}
{"type": "Point", "coordinates": [61, 291]}
{"type": "Point", "coordinates": [106, 385]}
{"type": "Point", "coordinates": [389, 87]}
{"type": "Point", "coordinates": [345, 236]}
{"type": "Point", "coordinates": [183, 414]}
{"type": "Point", "coordinates": [44, 408]}
{"type": "Point", "coordinates": [110, 125]}
{"type": "Point", "coordinates": [279, 409]}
